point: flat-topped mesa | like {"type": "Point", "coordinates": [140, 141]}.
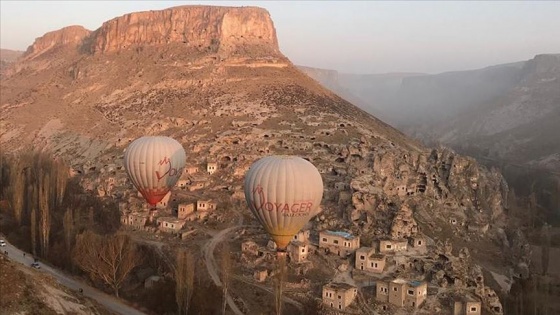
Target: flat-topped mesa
{"type": "Point", "coordinates": [71, 36]}
{"type": "Point", "coordinates": [212, 28]}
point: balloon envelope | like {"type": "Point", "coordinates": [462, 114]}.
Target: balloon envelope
{"type": "Point", "coordinates": [154, 164]}
{"type": "Point", "coordinates": [283, 192]}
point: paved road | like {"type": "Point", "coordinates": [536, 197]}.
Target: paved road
{"type": "Point", "coordinates": [109, 302]}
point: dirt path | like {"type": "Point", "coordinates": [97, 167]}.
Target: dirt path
{"type": "Point", "coordinates": [211, 266]}
{"type": "Point", "coordinates": [111, 303]}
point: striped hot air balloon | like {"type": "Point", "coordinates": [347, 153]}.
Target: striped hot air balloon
{"type": "Point", "coordinates": [154, 164]}
{"type": "Point", "coordinates": [284, 193]}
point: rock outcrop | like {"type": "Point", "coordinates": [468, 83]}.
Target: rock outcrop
{"type": "Point", "coordinates": [70, 36]}
{"type": "Point", "coordinates": [224, 29]}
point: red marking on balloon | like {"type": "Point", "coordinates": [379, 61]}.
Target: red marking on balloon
{"type": "Point", "coordinates": [299, 208]}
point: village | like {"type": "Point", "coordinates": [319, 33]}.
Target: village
{"type": "Point", "coordinates": [392, 269]}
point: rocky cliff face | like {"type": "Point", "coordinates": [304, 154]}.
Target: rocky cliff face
{"type": "Point", "coordinates": [71, 36]}
{"type": "Point", "coordinates": [228, 30]}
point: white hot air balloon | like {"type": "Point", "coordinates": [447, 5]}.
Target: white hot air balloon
{"type": "Point", "coordinates": [284, 193]}
{"type": "Point", "coordinates": [154, 164]}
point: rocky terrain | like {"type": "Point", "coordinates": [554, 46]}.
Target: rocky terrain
{"type": "Point", "coordinates": [214, 79]}
{"type": "Point", "coordinates": [8, 56]}
{"type": "Point", "coordinates": [25, 291]}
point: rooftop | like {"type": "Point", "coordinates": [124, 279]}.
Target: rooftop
{"type": "Point", "coordinates": [346, 235]}
{"type": "Point", "coordinates": [339, 286]}
{"type": "Point", "coordinates": [415, 283]}
{"type": "Point", "coordinates": [170, 219]}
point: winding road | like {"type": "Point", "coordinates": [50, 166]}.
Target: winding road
{"type": "Point", "coordinates": [211, 266]}
{"type": "Point", "coordinates": [109, 302]}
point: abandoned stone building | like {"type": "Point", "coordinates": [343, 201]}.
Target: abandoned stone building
{"type": "Point", "coordinates": [135, 220]}
{"type": "Point", "coordinates": [339, 295]}
{"type": "Point", "coordinates": [184, 210]}
{"type": "Point", "coordinates": [189, 170]}
{"type": "Point", "coordinates": [211, 167]}
{"type": "Point", "coordinates": [182, 183]}
{"type": "Point", "coordinates": [298, 251]}
{"type": "Point", "coordinates": [392, 246]}
{"type": "Point", "coordinates": [162, 204]}
{"type": "Point", "coordinates": [368, 260]}
{"type": "Point", "coordinates": [170, 224]}
{"type": "Point", "coordinates": [402, 293]}
{"type": "Point", "coordinates": [418, 243]}
{"type": "Point", "coordinates": [205, 205]}
{"type": "Point", "coordinates": [467, 305]}
{"type": "Point", "coordinates": [339, 242]}
{"type": "Point", "coordinates": [302, 236]}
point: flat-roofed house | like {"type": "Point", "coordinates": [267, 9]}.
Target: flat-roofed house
{"type": "Point", "coordinates": [170, 224]}
{"type": "Point", "coordinates": [339, 295]}
{"type": "Point", "coordinates": [402, 293]}
{"type": "Point", "coordinates": [339, 242]}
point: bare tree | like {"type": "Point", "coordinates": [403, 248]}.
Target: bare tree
{"type": "Point", "coordinates": [184, 278]}
{"type": "Point", "coordinates": [68, 226]}
{"type": "Point", "coordinates": [44, 211]}
{"type": "Point", "coordinates": [226, 274]}
{"type": "Point", "coordinates": [106, 258]}
{"type": "Point", "coordinates": [16, 189]}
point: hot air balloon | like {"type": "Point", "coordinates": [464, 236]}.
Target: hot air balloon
{"type": "Point", "coordinates": [283, 192]}
{"type": "Point", "coordinates": [154, 164]}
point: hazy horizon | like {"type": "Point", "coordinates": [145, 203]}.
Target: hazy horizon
{"type": "Point", "coordinates": [359, 37]}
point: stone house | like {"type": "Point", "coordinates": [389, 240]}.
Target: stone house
{"type": "Point", "coordinates": [339, 242]}
{"type": "Point", "coordinates": [206, 205]}
{"type": "Point", "coordinates": [135, 220]}
{"type": "Point", "coordinates": [189, 170]}
{"type": "Point", "coordinates": [163, 202]}
{"type": "Point", "coordinates": [170, 224]}
{"type": "Point", "coordinates": [298, 251]}
{"type": "Point", "coordinates": [418, 243]}
{"type": "Point", "coordinates": [467, 305]}
{"type": "Point", "coordinates": [339, 295]}
{"type": "Point", "coordinates": [184, 210]}
{"type": "Point", "coordinates": [211, 167]}
{"type": "Point", "coordinates": [302, 236]}
{"type": "Point", "coordinates": [182, 183]}
{"type": "Point", "coordinates": [197, 184]}
{"type": "Point", "coordinates": [368, 260]}
{"type": "Point", "coordinates": [392, 246]}
{"type": "Point", "coordinates": [402, 293]}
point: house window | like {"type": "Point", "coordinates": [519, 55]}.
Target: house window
{"type": "Point", "coordinates": [303, 250]}
{"type": "Point", "coordinates": [410, 292]}
{"type": "Point", "coordinates": [324, 239]}
{"type": "Point", "coordinates": [375, 265]}
{"type": "Point", "coordinates": [339, 297]}
{"type": "Point", "coordinates": [362, 257]}
{"type": "Point", "coordinates": [473, 308]}
{"type": "Point", "coordinates": [339, 306]}
{"type": "Point", "coordinates": [395, 289]}
{"type": "Point", "coordinates": [388, 246]}
{"type": "Point", "coordinates": [419, 242]}
{"type": "Point", "coordinates": [335, 241]}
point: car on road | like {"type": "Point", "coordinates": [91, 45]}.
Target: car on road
{"type": "Point", "coordinates": [2, 243]}
{"type": "Point", "coordinates": [35, 265]}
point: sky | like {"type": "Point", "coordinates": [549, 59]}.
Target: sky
{"type": "Point", "coordinates": [348, 36]}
